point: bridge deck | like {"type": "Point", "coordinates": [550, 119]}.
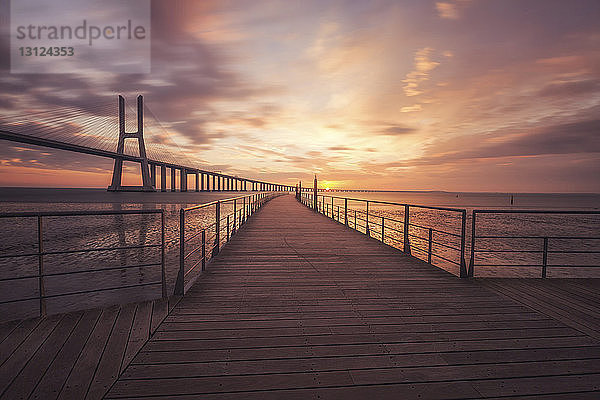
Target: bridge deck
{"type": "Point", "coordinates": [297, 306]}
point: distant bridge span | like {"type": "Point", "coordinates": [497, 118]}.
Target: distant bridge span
{"type": "Point", "coordinates": [205, 180]}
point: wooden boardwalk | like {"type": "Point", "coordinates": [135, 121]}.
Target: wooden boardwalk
{"type": "Point", "coordinates": [77, 355]}
{"type": "Point", "coordinates": [300, 307]}
{"type": "Point", "coordinates": [297, 306]}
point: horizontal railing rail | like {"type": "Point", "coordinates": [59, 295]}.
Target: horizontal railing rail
{"type": "Point", "coordinates": [504, 244]}
{"type": "Point", "coordinates": [408, 236]}
{"type": "Point", "coordinates": [199, 240]}
{"type": "Point", "coordinates": [41, 255]}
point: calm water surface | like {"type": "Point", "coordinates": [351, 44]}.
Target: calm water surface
{"type": "Point", "coordinates": [102, 269]}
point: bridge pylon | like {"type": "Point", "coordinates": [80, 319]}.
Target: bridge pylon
{"type": "Point", "coordinates": [116, 185]}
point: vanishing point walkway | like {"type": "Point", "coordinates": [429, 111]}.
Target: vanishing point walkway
{"type": "Point", "coordinates": [300, 307]}
{"type": "Point", "coordinates": [297, 306]}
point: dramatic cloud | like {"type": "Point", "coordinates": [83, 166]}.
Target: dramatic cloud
{"type": "Point", "coordinates": [449, 94]}
{"type": "Point", "coordinates": [422, 68]}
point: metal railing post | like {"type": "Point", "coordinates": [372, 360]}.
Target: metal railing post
{"type": "Point", "coordinates": [41, 265]}
{"type": "Point", "coordinates": [406, 225]}
{"type": "Point", "coordinates": [162, 254]}
{"type": "Point", "coordinates": [545, 258]}
{"type": "Point", "coordinates": [332, 208]}
{"type": "Point", "coordinates": [463, 266]}
{"type": "Point", "coordinates": [227, 229]}
{"type": "Point", "coordinates": [430, 245]}
{"type": "Point", "coordinates": [244, 213]}
{"type": "Point", "coordinates": [346, 212]}
{"type": "Point", "coordinates": [217, 228]}
{"type": "Point", "coordinates": [203, 249]}
{"type": "Point", "coordinates": [367, 231]}
{"type": "Point", "coordinates": [382, 229]}
{"type": "Point", "coordinates": [234, 217]}
{"type": "Point", "coordinates": [471, 270]}
{"type": "Point", "coordinates": [355, 220]}
{"type": "Point", "coordinates": [179, 284]}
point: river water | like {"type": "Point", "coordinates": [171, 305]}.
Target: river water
{"type": "Point", "coordinates": [64, 273]}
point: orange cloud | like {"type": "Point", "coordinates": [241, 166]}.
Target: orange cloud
{"type": "Point", "coordinates": [422, 67]}
{"type": "Point", "coordinates": [446, 10]}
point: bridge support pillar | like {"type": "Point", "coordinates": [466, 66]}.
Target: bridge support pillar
{"type": "Point", "coordinates": [173, 180]}
{"type": "Point", "coordinates": [153, 175]}
{"type": "Point", "coordinates": [117, 178]}
{"type": "Point", "coordinates": [183, 180]}
{"type": "Point", "coordinates": [197, 182]}
{"type": "Point", "coordinates": [163, 178]}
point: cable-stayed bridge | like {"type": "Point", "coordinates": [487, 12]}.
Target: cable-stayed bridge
{"type": "Point", "coordinates": [131, 136]}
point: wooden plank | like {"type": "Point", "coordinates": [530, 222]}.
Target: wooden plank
{"type": "Point", "coordinates": [78, 382]}
{"type": "Point", "coordinates": [538, 385]}
{"type": "Point", "coordinates": [173, 301]}
{"type": "Point", "coordinates": [19, 358]}
{"type": "Point", "coordinates": [160, 309]}
{"type": "Point", "coordinates": [568, 317]}
{"type": "Point", "coordinates": [16, 337]}
{"type": "Point", "coordinates": [546, 345]}
{"type": "Point", "coordinates": [52, 382]}
{"type": "Point", "coordinates": [22, 386]}
{"type": "Point", "coordinates": [109, 365]}
{"type": "Point", "coordinates": [6, 329]}
{"type": "Point", "coordinates": [140, 332]}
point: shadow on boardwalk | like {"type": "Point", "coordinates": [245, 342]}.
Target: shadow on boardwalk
{"type": "Point", "coordinates": [297, 306]}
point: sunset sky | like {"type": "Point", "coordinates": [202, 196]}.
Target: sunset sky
{"type": "Point", "coordinates": [459, 95]}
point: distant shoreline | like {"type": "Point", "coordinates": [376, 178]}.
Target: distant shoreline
{"type": "Point", "coordinates": [335, 191]}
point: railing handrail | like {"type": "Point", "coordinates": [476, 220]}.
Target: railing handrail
{"type": "Point", "coordinates": [77, 213]}
{"type": "Point", "coordinates": [407, 243]}
{"type": "Point", "coordinates": [41, 253]}
{"type": "Point", "coordinates": [506, 211]}
{"type": "Point", "coordinates": [395, 204]}
{"type": "Point", "coordinates": [544, 237]}
{"type": "Point", "coordinates": [211, 203]}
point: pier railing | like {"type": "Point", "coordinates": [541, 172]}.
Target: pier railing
{"type": "Point", "coordinates": [36, 259]}
{"type": "Point", "coordinates": [205, 228]}
{"type": "Point", "coordinates": [534, 250]}
{"type": "Point", "coordinates": [416, 231]}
